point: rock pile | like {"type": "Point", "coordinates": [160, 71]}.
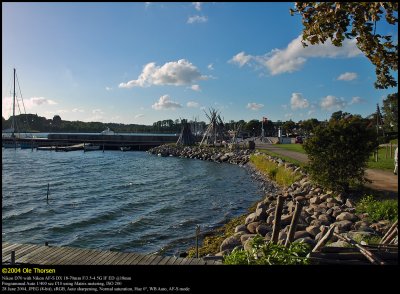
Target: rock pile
{"type": "Point", "coordinates": [240, 157]}
{"type": "Point", "coordinates": [320, 208]}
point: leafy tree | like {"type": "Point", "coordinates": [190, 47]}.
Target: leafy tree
{"type": "Point", "coordinates": [338, 115]}
{"type": "Point", "coordinates": [309, 125]}
{"type": "Point", "coordinates": [340, 20]}
{"type": "Point", "coordinates": [253, 127]}
{"type": "Point", "coordinates": [339, 152]}
{"type": "Point", "coordinates": [289, 126]}
{"type": "Point", "coordinates": [390, 111]}
{"type": "Point", "coordinates": [56, 121]}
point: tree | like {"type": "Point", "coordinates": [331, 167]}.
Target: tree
{"type": "Point", "coordinates": [309, 125]}
{"type": "Point", "coordinates": [253, 127]}
{"type": "Point", "coordinates": [340, 20]}
{"type": "Point", "coordinates": [338, 153]}
{"type": "Point", "coordinates": [289, 126]}
{"type": "Point", "coordinates": [390, 111]}
{"type": "Point", "coordinates": [57, 121]}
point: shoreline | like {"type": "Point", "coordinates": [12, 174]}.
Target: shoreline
{"type": "Point", "coordinates": [321, 207]}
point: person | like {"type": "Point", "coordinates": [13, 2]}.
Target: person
{"type": "Point", "coordinates": [396, 159]}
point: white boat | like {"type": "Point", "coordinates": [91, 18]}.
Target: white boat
{"type": "Point", "coordinates": [91, 147]}
{"type": "Point", "coordinates": [125, 148]}
{"type": "Point", "coordinates": [107, 132]}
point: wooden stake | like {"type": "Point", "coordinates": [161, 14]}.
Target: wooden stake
{"type": "Point", "coordinates": [277, 224]}
{"type": "Point", "coordinates": [197, 240]}
{"type": "Point", "coordinates": [324, 239]}
{"type": "Point", "coordinates": [293, 224]}
{"type": "Point", "coordinates": [48, 192]}
{"type": "Point", "coordinates": [388, 233]}
{"type": "Point", "coordinates": [368, 254]}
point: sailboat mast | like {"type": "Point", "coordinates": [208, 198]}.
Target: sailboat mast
{"type": "Point", "coordinates": [13, 119]}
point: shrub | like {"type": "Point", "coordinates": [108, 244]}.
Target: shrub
{"type": "Point", "coordinates": [339, 152]}
{"type": "Point", "coordinates": [262, 253]}
{"type": "Point", "coordinates": [378, 210]}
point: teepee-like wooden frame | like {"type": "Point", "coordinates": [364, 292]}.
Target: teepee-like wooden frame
{"type": "Point", "coordinates": [214, 129]}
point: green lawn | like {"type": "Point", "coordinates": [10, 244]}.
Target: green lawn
{"type": "Point", "coordinates": [384, 161]}
{"type": "Point", "coordinates": [285, 158]}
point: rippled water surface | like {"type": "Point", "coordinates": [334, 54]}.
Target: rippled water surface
{"type": "Point", "coordinates": [125, 201]}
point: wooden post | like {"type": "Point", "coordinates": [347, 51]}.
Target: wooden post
{"type": "Point", "coordinates": [277, 224]}
{"type": "Point", "coordinates": [13, 257]}
{"type": "Point", "coordinates": [293, 224]}
{"type": "Point", "coordinates": [48, 192]}
{"type": "Point", "coordinates": [324, 239]}
{"type": "Point", "coordinates": [197, 240]}
{"type": "Point", "coordinates": [46, 243]}
{"type": "Point", "coordinates": [368, 254]}
{"type": "Point", "coordinates": [376, 154]}
{"type": "Point", "coordinates": [390, 237]}
{"type": "Point", "coordinates": [388, 233]}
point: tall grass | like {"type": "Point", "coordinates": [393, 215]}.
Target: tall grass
{"type": "Point", "coordinates": [279, 174]}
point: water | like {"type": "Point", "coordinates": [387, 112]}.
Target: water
{"type": "Point", "coordinates": [123, 201]}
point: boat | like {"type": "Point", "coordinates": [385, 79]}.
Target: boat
{"type": "Point", "coordinates": [125, 148]}
{"type": "Point", "coordinates": [107, 132]}
{"type": "Point", "coordinates": [13, 143]}
{"type": "Point", "coordinates": [91, 147]}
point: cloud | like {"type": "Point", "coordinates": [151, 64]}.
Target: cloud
{"type": "Point", "coordinates": [294, 56]}
{"type": "Point", "coordinates": [97, 116]}
{"type": "Point", "coordinates": [192, 104]}
{"type": "Point", "coordinates": [195, 88]}
{"type": "Point", "coordinates": [77, 110]}
{"type": "Point", "coordinates": [197, 19]}
{"type": "Point", "coordinates": [356, 100]}
{"type": "Point", "coordinates": [331, 102]}
{"type": "Point", "coordinates": [240, 59]}
{"type": "Point", "coordinates": [108, 88]}
{"type": "Point", "coordinates": [254, 106]}
{"type": "Point", "coordinates": [176, 73]}
{"type": "Point", "coordinates": [297, 101]}
{"type": "Point", "coordinates": [165, 103]}
{"type": "Point", "coordinates": [139, 115]}
{"type": "Point", "coordinates": [210, 66]}
{"type": "Point", "coordinates": [39, 101]}
{"type": "Point", "coordinates": [347, 76]}
{"type": "Point", "coordinates": [197, 5]}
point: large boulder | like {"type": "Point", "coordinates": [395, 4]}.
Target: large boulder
{"type": "Point", "coordinates": [245, 237]}
{"type": "Point", "coordinates": [251, 218]}
{"type": "Point", "coordinates": [301, 234]}
{"type": "Point", "coordinates": [230, 243]}
{"type": "Point", "coordinates": [251, 227]}
{"type": "Point", "coordinates": [241, 228]}
{"type": "Point", "coordinates": [263, 229]}
{"type": "Point", "coordinates": [347, 216]}
{"type": "Point", "coordinates": [261, 213]}
{"type": "Point", "coordinates": [342, 226]}
{"type": "Point", "coordinates": [313, 230]}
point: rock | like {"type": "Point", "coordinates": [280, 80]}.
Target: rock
{"type": "Point", "coordinates": [251, 227]}
{"type": "Point", "coordinates": [223, 253]}
{"type": "Point", "coordinates": [325, 219]}
{"type": "Point", "coordinates": [241, 228]}
{"type": "Point", "coordinates": [270, 219]}
{"type": "Point", "coordinates": [261, 214]}
{"type": "Point", "coordinates": [315, 200]}
{"type": "Point", "coordinates": [300, 198]}
{"type": "Point", "coordinates": [263, 229]}
{"type": "Point", "coordinates": [270, 210]}
{"type": "Point", "coordinates": [248, 244]}
{"type": "Point", "coordinates": [359, 235]}
{"type": "Point", "coordinates": [342, 226]}
{"type": "Point", "coordinates": [261, 205]}
{"type": "Point", "coordinates": [338, 244]}
{"type": "Point", "coordinates": [316, 223]}
{"type": "Point", "coordinates": [313, 230]}
{"type": "Point", "coordinates": [250, 218]}
{"type": "Point", "coordinates": [350, 203]}
{"type": "Point", "coordinates": [282, 236]}
{"type": "Point", "coordinates": [245, 237]}
{"type": "Point", "coordinates": [301, 234]}
{"type": "Point", "coordinates": [230, 243]}
{"type": "Point", "coordinates": [286, 219]}
{"type": "Point", "coordinates": [361, 224]}
{"type": "Point", "coordinates": [240, 233]}
{"type": "Point", "coordinates": [347, 216]}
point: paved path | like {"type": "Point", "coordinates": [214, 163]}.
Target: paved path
{"type": "Point", "coordinates": [382, 180]}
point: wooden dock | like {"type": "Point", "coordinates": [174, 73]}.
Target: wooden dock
{"type": "Point", "coordinates": [50, 255]}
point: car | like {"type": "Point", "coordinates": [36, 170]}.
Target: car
{"type": "Point", "coordinates": [299, 140]}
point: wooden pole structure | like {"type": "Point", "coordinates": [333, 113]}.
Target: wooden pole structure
{"type": "Point", "coordinates": [48, 192]}
{"type": "Point", "coordinates": [277, 221]}
{"type": "Point", "coordinates": [197, 240]}
{"type": "Point", "coordinates": [390, 237]}
{"type": "Point", "coordinates": [388, 232]}
{"type": "Point", "coordinates": [293, 224]}
{"type": "Point", "coordinates": [368, 254]}
{"type": "Point", "coordinates": [324, 239]}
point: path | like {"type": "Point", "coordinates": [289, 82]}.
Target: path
{"type": "Point", "coordinates": [382, 180]}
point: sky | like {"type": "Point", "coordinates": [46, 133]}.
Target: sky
{"type": "Point", "coordinates": [138, 63]}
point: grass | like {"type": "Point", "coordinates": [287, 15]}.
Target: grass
{"type": "Point", "coordinates": [276, 173]}
{"type": "Point", "coordinates": [292, 147]}
{"type": "Point", "coordinates": [384, 161]}
{"type": "Point", "coordinates": [378, 209]}
{"type": "Point", "coordinates": [285, 158]}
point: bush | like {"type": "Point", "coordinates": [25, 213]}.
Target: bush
{"type": "Point", "coordinates": [339, 152]}
{"type": "Point", "coordinates": [378, 210]}
{"type": "Point", "coordinates": [262, 253]}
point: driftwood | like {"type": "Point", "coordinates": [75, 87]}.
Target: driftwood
{"type": "Point", "coordinates": [390, 231]}
{"type": "Point", "coordinates": [321, 243]}
{"type": "Point", "coordinates": [277, 220]}
{"type": "Point", "coordinates": [392, 237]}
{"type": "Point", "coordinates": [368, 254]}
{"type": "Point", "coordinates": [293, 224]}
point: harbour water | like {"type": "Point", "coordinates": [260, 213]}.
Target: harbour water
{"type": "Point", "coordinates": [122, 201]}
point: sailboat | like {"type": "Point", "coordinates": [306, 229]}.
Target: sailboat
{"type": "Point", "coordinates": [13, 143]}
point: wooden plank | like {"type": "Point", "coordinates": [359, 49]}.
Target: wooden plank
{"type": "Point", "coordinates": [146, 260]}
{"type": "Point", "coordinates": [39, 257]}
{"type": "Point", "coordinates": [55, 257]}
{"type": "Point", "coordinates": [4, 245]}
{"type": "Point", "coordinates": [23, 251]}
{"type": "Point", "coordinates": [322, 261]}
{"type": "Point", "coordinates": [156, 260]}
{"type": "Point", "coordinates": [77, 257]}
{"type": "Point", "coordinates": [71, 257]}
{"type": "Point", "coordinates": [124, 258]}
{"type": "Point", "coordinates": [121, 257]}
{"type": "Point", "coordinates": [138, 258]}
{"type": "Point", "coordinates": [86, 259]}
{"type": "Point", "coordinates": [100, 258]}
{"type": "Point", "coordinates": [133, 259]}
{"type": "Point", "coordinates": [185, 261]}
{"type": "Point", "coordinates": [13, 247]}
{"type": "Point", "coordinates": [172, 260]}
{"type": "Point", "coordinates": [34, 252]}
{"type": "Point", "coordinates": [164, 260]}
{"type": "Point", "coordinates": [114, 258]}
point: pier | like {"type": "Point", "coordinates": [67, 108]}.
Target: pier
{"type": "Point", "coordinates": [140, 142]}
{"type": "Point", "coordinates": [14, 253]}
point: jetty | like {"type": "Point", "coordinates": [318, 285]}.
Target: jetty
{"type": "Point", "coordinates": [15, 253]}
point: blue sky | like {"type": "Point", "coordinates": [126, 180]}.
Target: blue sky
{"type": "Point", "coordinates": [144, 62]}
